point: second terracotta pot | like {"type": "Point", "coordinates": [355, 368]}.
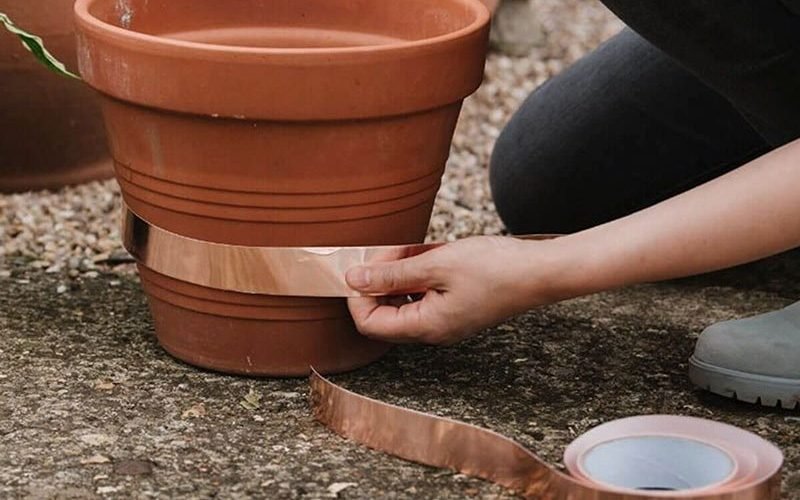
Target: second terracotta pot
{"type": "Point", "coordinates": [278, 123]}
{"type": "Point", "coordinates": [51, 130]}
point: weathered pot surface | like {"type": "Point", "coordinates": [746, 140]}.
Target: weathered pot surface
{"type": "Point", "coordinates": [51, 129]}
{"type": "Point", "coordinates": [278, 123]}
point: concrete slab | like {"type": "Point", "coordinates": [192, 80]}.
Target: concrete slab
{"type": "Point", "coordinates": [90, 406]}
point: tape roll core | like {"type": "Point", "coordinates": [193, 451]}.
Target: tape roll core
{"type": "Point", "coordinates": [657, 463]}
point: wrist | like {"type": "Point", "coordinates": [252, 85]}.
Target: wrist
{"type": "Point", "coordinates": [559, 269]}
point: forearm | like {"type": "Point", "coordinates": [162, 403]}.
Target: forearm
{"type": "Point", "coordinates": [750, 213]}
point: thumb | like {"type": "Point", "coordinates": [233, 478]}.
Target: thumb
{"type": "Point", "coordinates": [414, 274]}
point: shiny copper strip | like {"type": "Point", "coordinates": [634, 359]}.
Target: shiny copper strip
{"type": "Point", "coordinates": [304, 272]}
{"type": "Point", "coordinates": [445, 443]}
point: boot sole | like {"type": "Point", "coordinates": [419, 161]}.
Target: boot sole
{"type": "Point", "coordinates": [751, 388]}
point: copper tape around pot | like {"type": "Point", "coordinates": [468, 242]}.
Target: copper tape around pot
{"type": "Point", "coordinates": [287, 271]}
{"type": "Point", "coordinates": [694, 458]}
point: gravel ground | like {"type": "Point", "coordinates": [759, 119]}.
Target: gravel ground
{"type": "Point", "coordinates": [74, 230]}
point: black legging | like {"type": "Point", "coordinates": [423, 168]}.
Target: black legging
{"type": "Point", "coordinates": [700, 88]}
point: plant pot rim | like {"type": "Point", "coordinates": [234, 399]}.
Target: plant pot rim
{"type": "Point", "coordinates": [283, 84]}
{"type": "Point", "coordinates": [160, 44]}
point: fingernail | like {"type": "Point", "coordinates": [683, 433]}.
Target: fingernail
{"type": "Point", "coordinates": [358, 277]}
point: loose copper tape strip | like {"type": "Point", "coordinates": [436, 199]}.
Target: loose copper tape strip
{"type": "Point", "coordinates": [754, 464]}
{"type": "Point", "coordinates": [290, 271]}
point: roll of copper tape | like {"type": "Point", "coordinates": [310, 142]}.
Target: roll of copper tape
{"type": "Point", "coordinates": [289, 271]}
{"type": "Point", "coordinates": [650, 457]}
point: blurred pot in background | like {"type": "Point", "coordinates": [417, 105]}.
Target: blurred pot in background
{"type": "Point", "coordinates": [51, 129]}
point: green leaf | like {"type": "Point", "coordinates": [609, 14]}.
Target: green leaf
{"type": "Point", "coordinates": [35, 44]}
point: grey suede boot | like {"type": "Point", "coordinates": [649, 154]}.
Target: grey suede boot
{"type": "Point", "coordinates": [754, 359]}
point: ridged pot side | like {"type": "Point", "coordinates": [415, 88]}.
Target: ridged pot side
{"type": "Point", "coordinates": [260, 183]}
{"type": "Point", "coordinates": [51, 129]}
{"type": "Point", "coordinates": [357, 166]}
{"type": "Point", "coordinates": [254, 334]}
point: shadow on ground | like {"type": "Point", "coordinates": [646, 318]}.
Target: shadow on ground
{"type": "Point", "coordinates": [91, 406]}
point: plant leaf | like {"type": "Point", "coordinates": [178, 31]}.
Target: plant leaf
{"type": "Point", "coordinates": [36, 46]}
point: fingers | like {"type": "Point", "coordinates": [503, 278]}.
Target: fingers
{"type": "Point", "coordinates": [386, 318]}
{"type": "Point", "coordinates": [379, 320]}
{"type": "Point", "coordinates": [417, 322]}
{"type": "Point", "coordinates": [408, 275]}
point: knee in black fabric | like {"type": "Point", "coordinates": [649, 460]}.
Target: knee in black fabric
{"type": "Point", "coordinates": [621, 129]}
{"type": "Point", "coordinates": [525, 193]}
{"type": "Point", "coordinates": [546, 156]}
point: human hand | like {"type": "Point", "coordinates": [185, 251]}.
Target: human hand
{"type": "Point", "coordinates": [468, 286]}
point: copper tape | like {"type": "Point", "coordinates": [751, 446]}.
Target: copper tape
{"type": "Point", "coordinates": [651, 453]}
{"type": "Point", "coordinates": [288, 271]}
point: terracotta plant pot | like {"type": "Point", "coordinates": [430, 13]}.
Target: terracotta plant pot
{"type": "Point", "coordinates": [51, 129]}
{"type": "Point", "coordinates": [278, 123]}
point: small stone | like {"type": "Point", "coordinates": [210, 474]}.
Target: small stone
{"type": "Point", "coordinates": [62, 289]}
{"type": "Point", "coordinates": [195, 411]}
{"type": "Point", "coordinates": [5, 274]}
{"type": "Point", "coordinates": [105, 490]}
{"type": "Point", "coordinates": [119, 256]}
{"type": "Point", "coordinates": [101, 257]}
{"type": "Point", "coordinates": [96, 439]}
{"type": "Point", "coordinates": [337, 488]}
{"type": "Point", "coordinates": [104, 385]}
{"type": "Point", "coordinates": [133, 467]}
{"type": "Point", "coordinates": [95, 460]}
{"type": "Point", "coordinates": [284, 394]}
